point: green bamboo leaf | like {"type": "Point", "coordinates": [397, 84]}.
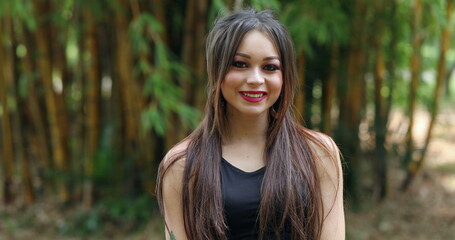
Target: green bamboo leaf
{"type": "Point", "coordinates": [139, 42]}
{"type": "Point", "coordinates": [190, 116]}
{"type": "Point", "coordinates": [162, 56]}
{"type": "Point", "coordinates": [153, 119]}
{"type": "Point", "coordinates": [151, 22]}
{"type": "Point", "coordinates": [150, 84]}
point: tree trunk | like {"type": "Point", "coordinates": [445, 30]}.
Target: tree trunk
{"type": "Point", "coordinates": [174, 133]}
{"type": "Point", "coordinates": [78, 114]}
{"type": "Point", "coordinates": [391, 63]}
{"type": "Point", "coordinates": [199, 62]}
{"type": "Point", "coordinates": [130, 95]}
{"type": "Point", "coordinates": [6, 75]}
{"type": "Point", "coordinates": [19, 127]}
{"type": "Point", "coordinates": [147, 142]}
{"type": "Point", "coordinates": [26, 174]}
{"type": "Point", "coordinates": [34, 112]}
{"type": "Point", "coordinates": [299, 101]}
{"type": "Point", "coordinates": [159, 10]}
{"type": "Point", "coordinates": [383, 104]}
{"type": "Point", "coordinates": [193, 57]}
{"type": "Point", "coordinates": [350, 106]}
{"type": "Point", "coordinates": [92, 101]}
{"type": "Point", "coordinates": [193, 51]}
{"type": "Point", "coordinates": [414, 167]}
{"type": "Point", "coordinates": [415, 77]}
{"type": "Point", "coordinates": [310, 82]}
{"type": "Point", "coordinates": [328, 92]}
{"type": "Point", "coordinates": [188, 51]}
{"type": "Point", "coordinates": [60, 69]}
{"type": "Point", "coordinates": [380, 122]}
{"type": "Point", "coordinates": [124, 67]}
{"type": "Point", "coordinates": [45, 65]}
{"type": "Point", "coordinates": [25, 168]}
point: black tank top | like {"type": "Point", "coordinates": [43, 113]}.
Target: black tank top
{"type": "Point", "coordinates": [241, 198]}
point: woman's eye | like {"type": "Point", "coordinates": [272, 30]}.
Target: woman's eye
{"type": "Point", "coordinates": [271, 67]}
{"type": "Point", "coordinates": [239, 64]}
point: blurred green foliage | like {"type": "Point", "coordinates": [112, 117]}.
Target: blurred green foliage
{"type": "Point", "coordinates": [121, 213]}
{"type": "Point", "coordinates": [315, 26]}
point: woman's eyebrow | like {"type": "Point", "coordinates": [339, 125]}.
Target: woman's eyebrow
{"type": "Point", "coordinates": [243, 55]}
{"type": "Point", "coordinates": [271, 58]}
{"type": "Point", "coordinates": [249, 57]}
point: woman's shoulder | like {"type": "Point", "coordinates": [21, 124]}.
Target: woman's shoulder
{"type": "Point", "coordinates": [175, 157]}
{"type": "Point", "coordinates": [330, 173]}
{"type": "Point", "coordinates": [327, 154]}
{"type": "Point", "coordinates": [320, 142]}
{"type": "Point", "coordinates": [171, 171]}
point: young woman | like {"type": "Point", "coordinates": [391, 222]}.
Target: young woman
{"type": "Point", "coordinates": [249, 171]}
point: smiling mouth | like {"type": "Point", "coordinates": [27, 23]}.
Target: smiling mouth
{"type": "Point", "coordinates": [253, 95]}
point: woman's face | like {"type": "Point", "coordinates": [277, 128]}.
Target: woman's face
{"type": "Point", "coordinates": [253, 83]}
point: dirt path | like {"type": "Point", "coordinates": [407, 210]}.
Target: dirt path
{"type": "Point", "coordinates": [427, 210]}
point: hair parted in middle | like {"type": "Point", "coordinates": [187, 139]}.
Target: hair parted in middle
{"type": "Point", "coordinates": [222, 44]}
{"type": "Point", "coordinates": [290, 192]}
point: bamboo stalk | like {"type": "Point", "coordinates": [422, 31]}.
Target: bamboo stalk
{"type": "Point", "coordinates": [380, 120]}
{"type": "Point", "coordinates": [414, 167]}
{"type": "Point", "coordinates": [131, 100]}
{"type": "Point", "coordinates": [200, 65]}
{"type": "Point", "coordinates": [92, 101]}
{"type": "Point", "coordinates": [45, 65]}
{"type": "Point", "coordinates": [299, 101]}
{"type": "Point", "coordinates": [188, 50]}
{"type": "Point", "coordinates": [328, 91]}
{"type": "Point", "coordinates": [5, 80]}
{"type": "Point", "coordinates": [33, 109]}
{"type": "Point", "coordinates": [415, 77]}
{"type": "Point", "coordinates": [19, 127]}
{"type": "Point", "coordinates": [351, 102]}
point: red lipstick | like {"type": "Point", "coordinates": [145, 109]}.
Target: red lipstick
{"type": "Point", "coordinates": [253, 96]}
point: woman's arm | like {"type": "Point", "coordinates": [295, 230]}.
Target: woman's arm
{"type": "Point", "coordinates": [331, 177]}
{"type": "Point", "coordinates": [172, 197]}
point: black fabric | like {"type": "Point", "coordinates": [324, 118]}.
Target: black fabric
{"type": "Point", "coordinates": [241, 197]}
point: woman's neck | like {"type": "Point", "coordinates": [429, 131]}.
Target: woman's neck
{"type": "Point", "coordinates": [243, 128]}
{"type": "Point", "coordinates": [244, 143]}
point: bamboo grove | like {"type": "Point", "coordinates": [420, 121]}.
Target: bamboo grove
{"type": "Point", "coordinates": [94, 92]}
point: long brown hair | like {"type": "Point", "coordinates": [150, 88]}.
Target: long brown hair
{"type": "Point", "coordinates": [291, 194]}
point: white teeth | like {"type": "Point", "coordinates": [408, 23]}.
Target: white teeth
{"type": "Point", "coordinates": [253, 95]}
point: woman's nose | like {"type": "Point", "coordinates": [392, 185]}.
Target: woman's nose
{"type": "Point", "coordinates": [255, 77]}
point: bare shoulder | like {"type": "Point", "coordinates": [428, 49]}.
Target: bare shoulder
{"type": "Point", "coordinates": [323, 145]}
{"type": "Point", "coordinates": [327, 155]}
{"type": "Point", "coordinates": [328, 164]}
{"type": "Point", "coordinates": [174, 158]}
{"type": "Point", "coordinates": [171, 177]}
{"type": "Point", "coordinates": [172, 168]}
